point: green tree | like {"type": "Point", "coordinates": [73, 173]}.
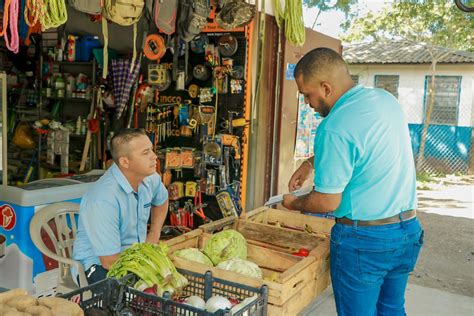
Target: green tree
{"type": "Point", "coordinates": [345, 6]}
{"type": "Point", "coordinates": [437, 22]}
{"type": "Point", "coordinates": [430, 23]}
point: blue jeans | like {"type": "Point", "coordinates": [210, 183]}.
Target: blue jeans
{"type": "Point", "coordinates": [370, 266]}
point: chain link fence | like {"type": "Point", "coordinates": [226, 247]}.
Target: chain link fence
{"type": "Point", "coordinates": [445, 146]}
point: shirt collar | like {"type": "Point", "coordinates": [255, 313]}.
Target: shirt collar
{"type": "Point", "coordinates": [121, 179]}
{"type": "Point", "coordinates": [349, 93]}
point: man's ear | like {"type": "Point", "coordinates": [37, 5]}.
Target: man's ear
{"type": "Point", "coordinates": [326, 88]}
{"type": "Point", "coordinates": [124, 162]}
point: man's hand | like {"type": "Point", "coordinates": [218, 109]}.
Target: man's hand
{"type": "Point", "coordinates": [288, 201]}
{"type": "Point", "coordinates": [153, 237]}
{"type": "Point", "coordinates": [107, 261]}
{"type": "Point", "coordinates": [300, 176]}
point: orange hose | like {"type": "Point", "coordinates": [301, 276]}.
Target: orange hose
{"type": "Point", "coordinates": [6, 9]}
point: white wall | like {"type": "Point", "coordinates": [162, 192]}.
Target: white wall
{"type": "Point", "coordinates": [411, 89]}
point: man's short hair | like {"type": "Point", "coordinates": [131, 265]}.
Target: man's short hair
{"type": "Point", "coordinates": [119, 143]}
{"type": "Point", "coordinates": [317, 62]}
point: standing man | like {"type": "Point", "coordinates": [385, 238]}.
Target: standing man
{"type": "Point", "coordinates": [114, 212]}
{"type": "Point", "coordinates": [364, 171]}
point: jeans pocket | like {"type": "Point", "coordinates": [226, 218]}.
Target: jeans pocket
{"type": "Point", "coordinates": [374, 264]}
{"type": "Point", "coordinates": [412, 252]}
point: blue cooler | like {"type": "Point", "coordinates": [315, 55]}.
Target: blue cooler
{"type": "Point", "coordinates": [20, 260]}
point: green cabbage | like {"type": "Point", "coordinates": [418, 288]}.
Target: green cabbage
{"type": "Point", "coordinates": [244, 267]}
{"type": "Point", "coordinates": [228, 244]}
{"type": "Point", "coordinates": [193, 254]}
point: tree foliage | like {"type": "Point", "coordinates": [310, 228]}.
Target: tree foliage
{"type": "Point", "coordinates": [345, 6]}
{"type": "Point", "coordinates": [435, 22]}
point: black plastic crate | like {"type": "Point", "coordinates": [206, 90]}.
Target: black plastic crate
{"type": "Point", "coordinates": [116, 297]}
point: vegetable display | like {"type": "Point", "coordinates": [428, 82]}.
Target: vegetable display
{"type": "Point", "coordinates": [244, 267]}
{"type": "Point", "coordinates": [225, 245]}
{"type": "Point", "coordinates": [193, 254]}
{"type": "Point", "coordinates": [150, 263]}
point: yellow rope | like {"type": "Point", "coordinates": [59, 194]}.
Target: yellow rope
{"type": "Point", "coordinates": [294, 27]}
{"type": "Point", "coordinates": [279, 14]}
{"type": "Point", "coordinates": [35, 9]}
{"type": "Point", "coordinates": [292, 15]}
{"type": "Point", "coordinates": [55, 15]}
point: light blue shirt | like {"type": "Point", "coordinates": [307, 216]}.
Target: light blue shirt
{"type": "Point", "coordinates": [363, 149]}
{"type": "Point", "coordinates": [112, 216]}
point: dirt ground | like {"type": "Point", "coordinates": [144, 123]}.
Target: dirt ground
{"type": "Point", "coordinates": [446, 261]}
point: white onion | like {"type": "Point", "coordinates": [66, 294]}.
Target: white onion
{"type": "Point", "coordinates": [195, 301]}
{"type": "Point", "coordinates": [217, 302]}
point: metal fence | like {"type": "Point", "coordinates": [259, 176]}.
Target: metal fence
{"type": "Point", "coordinates": [448, 140]}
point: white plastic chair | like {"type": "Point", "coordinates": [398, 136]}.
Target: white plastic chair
{"type": "Point", "coordinates": [63, 215]}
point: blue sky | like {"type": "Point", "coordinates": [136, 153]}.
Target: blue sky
{"type": "Point", "coordinates": [328, 22]}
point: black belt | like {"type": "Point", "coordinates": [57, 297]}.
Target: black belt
{"type": "Point", "coordinates": [389, 220]}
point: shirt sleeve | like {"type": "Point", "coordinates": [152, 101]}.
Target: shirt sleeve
{"type": "Point", "coordinates": [160, 194]}
{"type": "Point", "coordinates": [102, 226]}
{"type": "Point", "coordinates": [334, 162]}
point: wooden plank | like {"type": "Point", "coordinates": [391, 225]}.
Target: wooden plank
{"type": "Point", "coordinates": [226, 222]}
{"type": "Point", "coordinates": [318, 224]}
{"type": "Point", "coordinates": [279, 261]}
{"type": "Point", "coordinates": [321, 251]}
{"type": "Point", "coordinates": [276, 235]}
{"type": "Point", "coordinates": [185, 237]}
{"type": "Point", "coordinates": [254, 213]}
{"type": "Point", "coordinates": [322, 282]}
{"type": "Point", "coordinates": [294, 304]}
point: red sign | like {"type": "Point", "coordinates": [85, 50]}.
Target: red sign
{"type": "Point", "coordinates": [7, 217]}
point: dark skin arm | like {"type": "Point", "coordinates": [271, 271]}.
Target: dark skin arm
{"type": "Point", "coordinates": [315, 202]}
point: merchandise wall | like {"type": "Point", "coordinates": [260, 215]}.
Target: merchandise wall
{"type": "Point", "coordinates": [191, 95]}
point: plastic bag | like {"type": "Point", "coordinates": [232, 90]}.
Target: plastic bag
{"type": "Point", "coordinates": [22, 136]}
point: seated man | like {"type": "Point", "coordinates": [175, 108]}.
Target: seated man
{"type": "Point", "coordinates": [114, 212]}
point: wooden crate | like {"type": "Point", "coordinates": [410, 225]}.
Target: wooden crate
{"type": "Point", "coordinates": [258, 227]}
{"type": "Point", "coordinates": [290, 219]}
{"type": "Point", "coordinates": [295, 280]}
{"type": "Point", "coordinates": [296, 220]}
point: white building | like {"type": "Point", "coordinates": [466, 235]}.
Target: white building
{"type": "Point", "coordinates": [404, 69]}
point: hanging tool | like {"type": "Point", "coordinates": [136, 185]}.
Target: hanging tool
{"type": "Point", "coordinates": [228, 45]}
{"type": "Point", "coordinates": [233, 141]}
{"type": "Point", "coordinates": [93, 125]}
{"type": "Point", "coordinates": [198, 207]}
{"type": "Point", "coordinates": [231, 122]}
{"type": "Point", "coordinates": [154, 47]}
{"type": "Point", "coordinates": [229, 201]}
{"type": "Point", "coordinates": [174, 214]}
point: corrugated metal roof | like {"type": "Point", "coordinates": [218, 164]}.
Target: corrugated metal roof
{"type": "Point", "coordinates": [401, 52]}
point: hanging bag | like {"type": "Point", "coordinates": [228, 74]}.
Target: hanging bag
{"type": "Point", "coordinates": [164, 15]}
{"type": "Point", "coordinates": [192, 18]}
{"type": "Point", "coordinates": [87, 6]}
{"type": "Point", "coordinates": [235, 13]}
{"type": "Point", "coordinates": [125, 13]}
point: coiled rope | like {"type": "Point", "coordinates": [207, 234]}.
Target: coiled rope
{"type": "Point", "coordinates": [6, 12]}
{"type": "Point", "coordinates": [55, 14]}
{"type": "Point", "coordinates": [293, 17]}
{"type": "Point", "coordinates": [13, 43]}
{"type": "Point", "coordinates": [34, 9]}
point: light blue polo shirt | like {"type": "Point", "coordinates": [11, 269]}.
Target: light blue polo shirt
{"type": "Point", "coordinates": [112, 216]}
{"type": "Point", "coordinates": [363, 149]}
